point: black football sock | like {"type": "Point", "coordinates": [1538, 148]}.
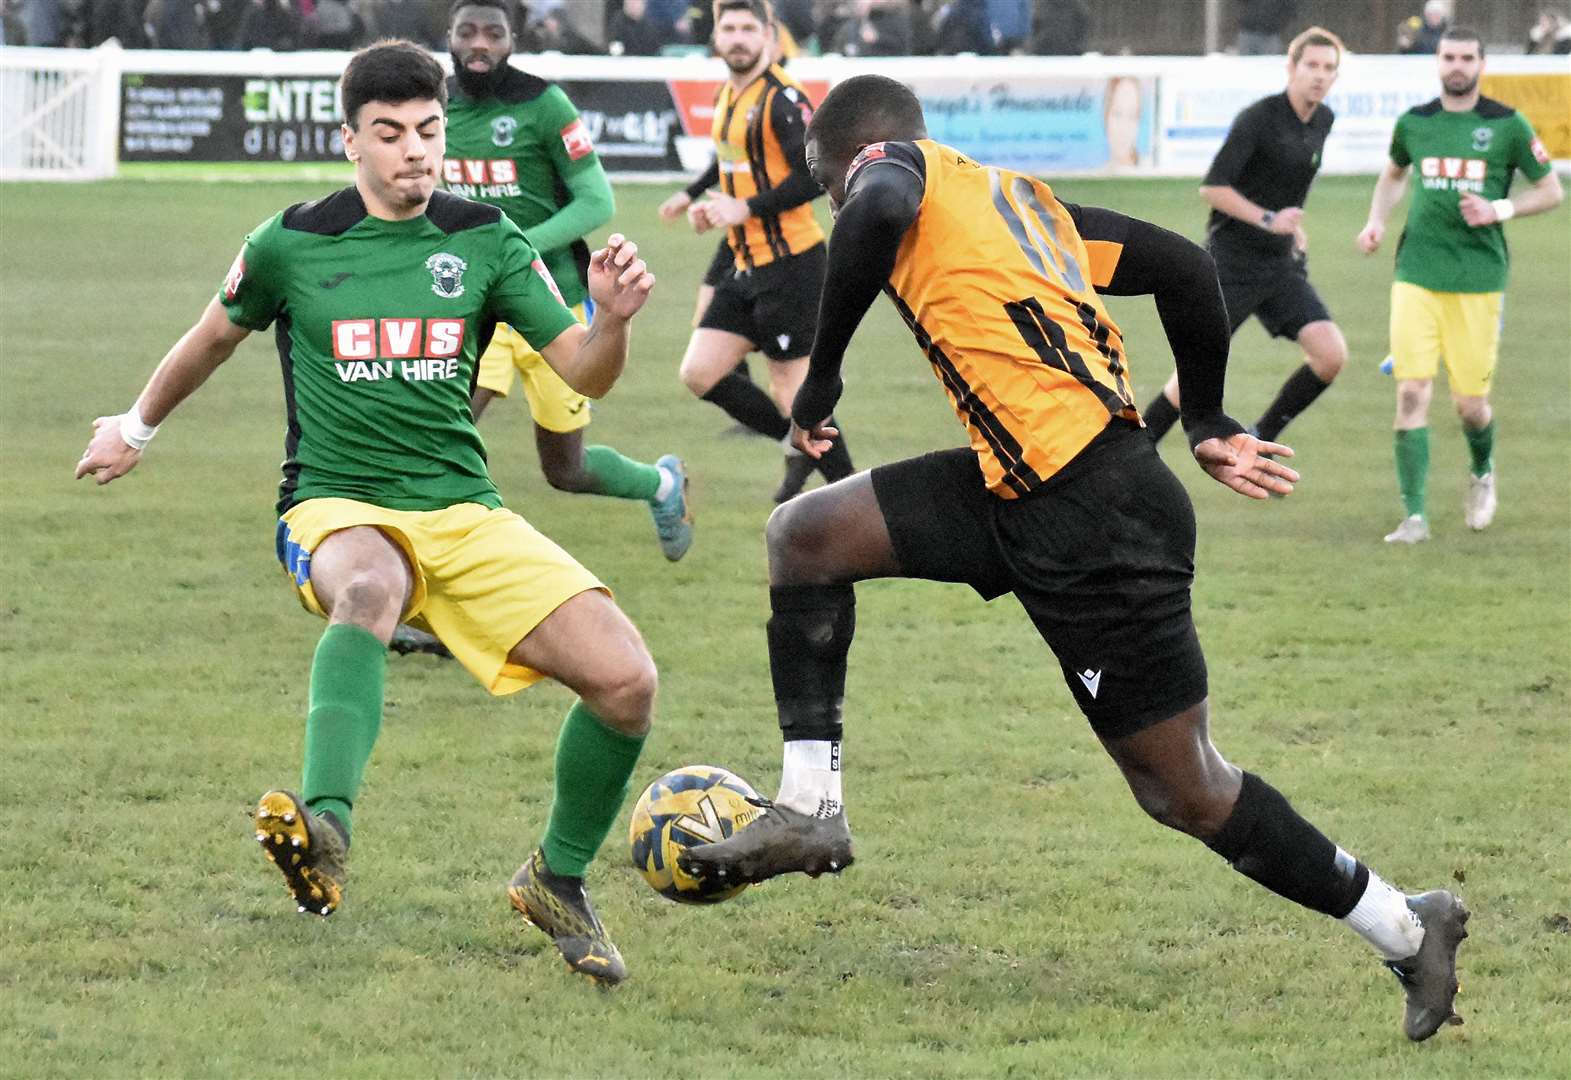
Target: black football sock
{"type": "Point", "coordinates": [747, 404]}
{"type": "Point", "coordinates": [1297, 394]}
{"type": "Point", "coordinates": [1266, 841]}
{"type": "Point", "coordinates": [836, 462]}
{"type": "Point", "coordinates": [810, 629]}
{"type": "Point", "coordinates": [1160, 416]}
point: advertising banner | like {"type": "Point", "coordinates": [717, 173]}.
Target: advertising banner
{"type": "Point", "coordinates": [633, 123]}
{"type": "Point", "coordinates": [1046, 126]}
{"type": "Point", "coordinates": [176, 117]}
{"type": "Point", "coordinates": [1544, 99]}
{"type": "Point", "coordinates": [1367, 100]}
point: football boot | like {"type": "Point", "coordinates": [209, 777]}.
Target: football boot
{"type": "Point", "coordinates": [673, 517]}
{"type": "Point", "coordinates": [779, 841]}
{"type": "Point", "coordinates": [1429, 976]}
{"type": "Point", "coordinates": [560, 906]}
{"type": "Point", "coordinates": [308, 849]}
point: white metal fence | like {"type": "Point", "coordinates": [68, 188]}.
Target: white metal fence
{"type": "Point", "coordinates": [59, 113]}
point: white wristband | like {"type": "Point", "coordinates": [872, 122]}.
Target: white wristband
{"type": "Point", "coordinates": [135, 431]}
{"type": "Point", "coordinates": [1505, 209]}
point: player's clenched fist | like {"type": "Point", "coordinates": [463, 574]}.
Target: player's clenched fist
{"type": "Point", "coordinates": [1369, 239]}
{"type": "Point", "coordinates": [619, 280]}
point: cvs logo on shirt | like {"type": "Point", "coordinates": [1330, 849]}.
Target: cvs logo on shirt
{"type": "Point", "coordinates": [480, 171]}
{"type": "Point", "coordinates": [396, 339]}
{"type": "Point", "coordinates": [1453, 168]}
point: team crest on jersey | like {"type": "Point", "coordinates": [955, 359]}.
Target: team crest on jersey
{"type": "Point", "coordinates": [1482, 137]}
{"type": "Point", "coordinates": [503, 128]}
{"type": "Point", "coordinates": [447, 275]}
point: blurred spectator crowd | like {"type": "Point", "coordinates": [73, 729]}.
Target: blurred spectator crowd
{"type": "Point", "coordinates": [653, 27]}
{"type": "Point", "coordinates": [631, 27]}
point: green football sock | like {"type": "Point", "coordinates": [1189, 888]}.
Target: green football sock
{"type": "Point", "coordinates": [1481, 444]}
{"type": "Point", "coordinates": [347, 675]}
{"type": "Point", "coordinates": [1412, 467]}
{"type": "Point", "coordinates": [621, 477]}
{"type": "Point", "coordinates": [593, 764]}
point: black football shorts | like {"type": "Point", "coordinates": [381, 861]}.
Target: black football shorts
{"type": "Point", "coordinates": [775, 306]}
{"type": "Point", "coordinates": [1275, 291]}
{"type": "Point", "coordinates": [1101, 557]}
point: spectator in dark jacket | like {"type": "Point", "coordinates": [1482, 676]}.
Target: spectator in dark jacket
{"type": "Point", "coordinates": [874, 28]}
{"type": "Point", "coordinates": [1060, 27]}
{"type": "Point", "coordinates": [1420, 35]}
{"type": "Point", "coordinates": [1260, 26]}
{"type": "Point", "coordinates": [269, 24]}
{"type": "Point", "coordinates": [630, 32]}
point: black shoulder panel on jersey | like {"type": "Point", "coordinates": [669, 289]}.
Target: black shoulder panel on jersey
{"type": "Point", "coordinates": [331, 215]}
{"type": "Point", "coordinates": [451, 213]}
{"type": "Point", "coordinates": [520, 86]}
{"type": "Point", "coordinates": [1490, 109]}
{"type": "Point", "coordinates": [1428, 108]}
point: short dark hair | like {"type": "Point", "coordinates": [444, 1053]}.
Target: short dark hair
{"type": "Point", "coordinates": [762, 10]}
{"type": "Point", "coordinates": [1464, 33]}
{"type": "Point", "coordinates": [504, 6]}
{"type": "Point", "coordinates": [866, 109]}
{"type": "Point", "coordinates": [390, 71]}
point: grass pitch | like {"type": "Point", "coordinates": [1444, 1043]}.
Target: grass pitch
{"type": "Point", "coordinates": [1011, 912]}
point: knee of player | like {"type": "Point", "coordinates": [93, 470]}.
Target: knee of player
{"type": "Point", "coordinates": [625, 700]}
{"type": "Point", "coordinates": [1412, 397]}
{"type": "Point", "coordinates": [571, 478]}
{"type": "Point", "coordinates": [367, 599]}
{"type": "Point", "coordinates": [695, 379]}
{"type": "Point", "coordinates": [1474, 411]}
{"type": "Point", "coordinates": [1198, 808]}
{"type": "Point", "coordinates": [791, 534]}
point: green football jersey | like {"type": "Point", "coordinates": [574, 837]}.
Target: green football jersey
{"type": "Point", "coordinates": [515, 151]}
{"type": "Point", "coordinates": [378, 324]}
{"type": "Point", "coordinates": [1455, 152]}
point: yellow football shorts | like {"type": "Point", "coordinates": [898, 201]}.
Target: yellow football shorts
{"type": "Point", "coordinates": [1461, 328]}
{"type": "Point", "coordinates": [483, 579]}
{"type": "Point", "coordinates": [554, 405]}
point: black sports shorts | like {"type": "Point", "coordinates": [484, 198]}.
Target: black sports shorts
{"type": "Point", "coordinates": [722, 266]}
{"type": "Point", "coordinates": [775, 306]}
{"type": "Point", "coordinates": [1274, 290]}
{"type": "Point", "coordinates": [1101, 558]}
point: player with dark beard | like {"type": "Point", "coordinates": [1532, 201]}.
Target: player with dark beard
{"type": "Point", "coordinates": [516, 142]}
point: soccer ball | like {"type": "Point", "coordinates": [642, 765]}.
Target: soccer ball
{"type": "Point", "coordinates": [696, 804]}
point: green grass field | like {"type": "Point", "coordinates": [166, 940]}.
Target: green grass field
{"type": "Point", "coordinates": [1011, 912]}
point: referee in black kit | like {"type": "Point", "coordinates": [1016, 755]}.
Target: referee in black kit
{"type": "Point", "coordinates": [1256, 187]}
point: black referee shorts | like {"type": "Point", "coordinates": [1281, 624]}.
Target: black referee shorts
{"type": "Point", "coordinates": [1274, 290]}
{"type": "Point", "coordinates": [775, 306]}
{"type": "Point", "coordinates": [1101, 557]}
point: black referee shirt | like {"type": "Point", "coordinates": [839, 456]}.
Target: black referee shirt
{"type": "Point", "coordinates": [1270, 157]}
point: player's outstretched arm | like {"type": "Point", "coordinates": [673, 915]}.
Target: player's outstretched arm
{"type": "Point", "coordinates": [117, 442]}
{"type": "Point", "coordinates": [1181, 277]}
{"type": "Point", "coordinates": [881, 206]}
{"type": "Point", "coordinates": [590, 361]}
{"type": "Point", "coordinates": [1388, 192]}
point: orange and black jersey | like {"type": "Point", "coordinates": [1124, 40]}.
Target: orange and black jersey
{"type": "Point", "coordinates": [759, 135]}
{"type": "Point", "coordinates": [999, 282]}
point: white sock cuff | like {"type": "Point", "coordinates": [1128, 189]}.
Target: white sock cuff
{"type": "Point", "coordinates": [820, 754]}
